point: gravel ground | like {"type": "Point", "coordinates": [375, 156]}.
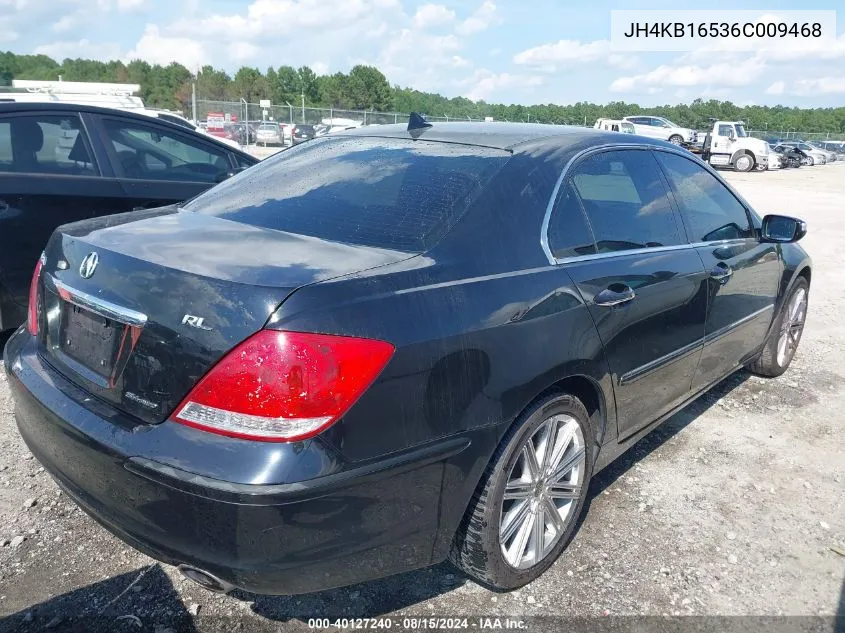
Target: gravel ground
{"type": "Point", "coordinates": [734, 506]}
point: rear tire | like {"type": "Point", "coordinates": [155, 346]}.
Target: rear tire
{"type": "Point", "coordinates": [676, 139]}
{"type": "Point", "coordinates": [499, 542]}
{"type": "Point", "coordinates": [782, 343]}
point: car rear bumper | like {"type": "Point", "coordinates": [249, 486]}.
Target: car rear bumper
{"type": "Point", "coordinates": [352, 525]}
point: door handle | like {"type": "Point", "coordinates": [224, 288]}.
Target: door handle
{"type": "Point", "coordinates": [615, 295]}
{"type": "Point", "coordinates": [721, 272]}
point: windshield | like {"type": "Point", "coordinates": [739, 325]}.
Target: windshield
{"type": "Point", "coordinates": [398, 194]}
{"type": "Point", "coordinates": [805, 147]}
{"type": "Point", "coordinates": [740, 131]}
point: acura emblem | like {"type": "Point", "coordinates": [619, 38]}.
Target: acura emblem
{"type": "Point", "coordinates": [89, 265]}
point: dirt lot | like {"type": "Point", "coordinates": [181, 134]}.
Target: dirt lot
{"type": "Point", "coordinates": [735, 506]}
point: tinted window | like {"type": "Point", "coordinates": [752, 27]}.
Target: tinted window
{"type": "Point", "coordinates": [626, 201]}
{"type": "Point", "coordinates": [44, 145]}
{"type": "Point", "coordinates": [569, 235]}
{"type": "Point", "coordinates": [152, 153]}
{"type": "Point", "coordinates": [389, 193]}
{"type": "Point", "coordinates": [725, 130]}
{"type": "Point", "coordinates": [710, 210]}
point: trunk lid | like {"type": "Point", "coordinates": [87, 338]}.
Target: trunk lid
{"type": "Point", "coordinates": [170, 293]}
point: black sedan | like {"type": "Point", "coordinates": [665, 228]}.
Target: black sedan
{"type": "Point", "coordinates": [61, 162]}
{"type": "Point", "coordinates": [416, 344]}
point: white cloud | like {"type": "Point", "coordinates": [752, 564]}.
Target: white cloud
{"type": "Point", "coordinates": [430, 15]}
{"type": "Point", "coordinates": [723, 74]}
{"type": "Point", "coordinates": [320, 68]}
{"type": "Point", "coordinates": [563, 53]}
{"type": "Point", "coordinates": [460, 62]}
{"type": "Point", "coordinates": [66, 23]}
{"type": "Point", "coordinates": [776, 88]}
{"type": "Point", "coordinates": [483, 18]}
{"type": "Point", "coordinates": [83, 49]}
{"type": "Point", "coordinates": [242, 51]}
{"type": "Point", "coordinates": [156, 48]}
{"type": "Point", "coordinates": [823, 85]}
{"type": "Point", "coordinates": [130, 5]}
{"type": "Point", "coordinates": [485, 84]}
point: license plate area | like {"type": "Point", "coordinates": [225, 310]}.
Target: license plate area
{"type": "Point", "coordinates": [90, 339]}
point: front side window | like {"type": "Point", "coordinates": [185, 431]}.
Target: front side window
{"type": "Point", "coordinates": [709, 209]}
{"type": "Point", "coordinates": [725, 130]}
{"type": "Point", "coordinates": [625, 201]}
{"type": "Point", "coordinates": [45, 144]}
{"type": "Point", "coordinates": [149, 153]}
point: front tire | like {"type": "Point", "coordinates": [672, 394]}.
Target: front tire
{"type": "Point", "coordinates": [526, 507]}
{"type": "Point", "coordinates": [744, 163]}
{"type": "Point", "coordinates": [782, 343]}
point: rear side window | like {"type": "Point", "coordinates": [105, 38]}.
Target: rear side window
{"type": "Point", "coordinates": [709, 209]}
{"type": "Point", "coordinates": [625, 200]}
{"type": "Point", "coordinates": [388, 193]}
{"type": "Point", "coordinates": [44, 144]}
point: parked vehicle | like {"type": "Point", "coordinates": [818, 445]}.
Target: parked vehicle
{"type": "Point", "coordinates": [269, 133]}
{"type": "Point", "coordinates": [793, 157]}
{"type": "Point", "coordinates": [62, 162]}
{"type": "Point", "coordinates": [829, 155]}
{"type": "Point", "coordinates": [302, 132]}
{"type": "Point", "coordinates": [663, 129]}
{"type": "Point", "coordinates": [815, 155]}
{"type": "Point", "coordinates": [728, 145]}
{"type": "Point", "coordinates": [776, 160]}
{"type": "Point", "coordinates": [343, 375]}
{"type": "Point", "coordinates": [613, 125]}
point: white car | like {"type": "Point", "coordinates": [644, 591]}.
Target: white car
{"type": "Point", "coordinates": [775, 160]}
{"type": "Point", "coordinates": [829, 155]}
{"type": "Point", "coordinates": [269, 133]}
{"type": "Point", "coordinates": [664, 129]}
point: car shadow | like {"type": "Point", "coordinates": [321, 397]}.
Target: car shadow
{"type": "Point", "coordinates": [141, 600]}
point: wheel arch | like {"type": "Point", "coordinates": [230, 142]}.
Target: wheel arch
{"type": "Point", "coordinates": [741, 152]}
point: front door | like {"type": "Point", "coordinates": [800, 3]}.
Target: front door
{"type": "Point", "coordinates": [743, 272]}
{"type": "Point", "coordinates": [645, 287]}
{"type": "Point", "coordinates": [158, 165]}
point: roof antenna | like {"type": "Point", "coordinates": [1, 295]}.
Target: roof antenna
{"type": "Point", "coordinates": [417, 124]}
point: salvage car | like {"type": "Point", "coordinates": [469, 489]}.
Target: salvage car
{"type": "Point", "coordinates": [815, 156]}
{"type": "Point", "coordinates": [793, 157]}
{"type": "Point", "coordinates": [391, 346]}
{"type": "Point", "coordinates": [62, 162]}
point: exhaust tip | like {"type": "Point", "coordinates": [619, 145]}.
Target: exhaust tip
{"type": "Point", "coordinates": [205, 580]}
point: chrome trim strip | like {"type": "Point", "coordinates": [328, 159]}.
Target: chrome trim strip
{"type": "Point", "coordinates": [99, 306]}
{"type": "Point", "coordinates": [657, 363]}
{"type": "Point", "coordinates": [712, 336]}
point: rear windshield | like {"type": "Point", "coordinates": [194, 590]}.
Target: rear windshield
{"type": "Point", "coordinates": [388, 193]}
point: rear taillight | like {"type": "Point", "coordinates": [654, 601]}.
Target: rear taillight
{"type": "Point", "coordinates": [283, 386]}
{"type": "Point", "coordinates": [32, 313]}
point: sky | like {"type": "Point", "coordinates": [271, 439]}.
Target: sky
{"type": "Point", "coordinates": [502, 51]}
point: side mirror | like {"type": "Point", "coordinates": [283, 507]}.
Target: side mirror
{"type": "Point", "coordinates": [782, 229]}
{"type": "Point", "coordinates": [732, 136]}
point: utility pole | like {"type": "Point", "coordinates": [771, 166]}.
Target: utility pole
{"type": "Point", "coordinates": [290, 110]}
{"type": "Point", "coordinates": [303, 106]}
{"type": "Point", "coordinates": [194, 101]}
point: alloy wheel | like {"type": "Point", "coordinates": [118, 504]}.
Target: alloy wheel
{"type": "Point", "coordinates": [791, 327]}
{"type": "Point", "coordinates": [542, 491]}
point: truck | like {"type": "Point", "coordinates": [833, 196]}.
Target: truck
{"type": "Point", "coordinates": [728, 145]}
{"type": "Point", "coordinates": [614, 125]}
{"type": "Point", "coordinates": [663, 129]}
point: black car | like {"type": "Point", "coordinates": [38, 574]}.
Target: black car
{"type": "Point", "coordinates": [302, 132]}
{"type": "Point", "coordinates": [792, 156]}
{"type": "Point", "coordinates": [387, 347]}
{"type": "Point", "coordinates": [61, 163]}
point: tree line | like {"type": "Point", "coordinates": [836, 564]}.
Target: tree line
{"type": "Point", "coordinates": [366, 88]}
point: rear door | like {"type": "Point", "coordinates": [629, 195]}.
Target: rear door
{"type": "Point", "coordinates": [160, 165]}
{"type": "Point", "coordinates": [743, 272]}
{"type": "Point", "coordinates": [48, 177]}
{"type": "Point", "coordinates": [645, 285]}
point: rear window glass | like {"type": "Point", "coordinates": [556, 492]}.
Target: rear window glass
{"type": "Point", "coordinates": [387, 193]}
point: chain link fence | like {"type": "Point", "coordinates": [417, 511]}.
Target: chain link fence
{"type": "Point", "coordinates": [252, 112]}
